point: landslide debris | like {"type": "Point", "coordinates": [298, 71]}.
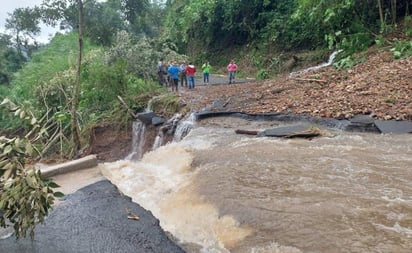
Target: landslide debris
{"type": "Point", "coordinates": [379, 86]}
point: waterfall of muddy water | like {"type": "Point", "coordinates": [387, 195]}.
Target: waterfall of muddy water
{"type": "Point", "coordinates": [138, 140]}
{"type": "Point", "coordinates": [184, 127]}
{"type": "Point", "coordinates": [343, 192]}
{"type": "Point", "coordinates": [158, 140]}
{"type": "Point", "coordinates": [330, 61]}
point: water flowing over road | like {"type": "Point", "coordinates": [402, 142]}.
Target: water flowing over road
{"type": "Point", "coordinates": [217, 191]}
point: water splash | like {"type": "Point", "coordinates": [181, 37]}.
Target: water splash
{"type": "Point", "coordinates": [158, 140]}
{"type": "Point", "coordinates": [328, 63]}
{"type": "Point", "coordinates": [184, 127]}
{"type": "Point", "coordinates": [274, 247]}
{"type": "Point", "coordinates": [138, 140]}
{"type": "Point", "coordinates": [163, 181]}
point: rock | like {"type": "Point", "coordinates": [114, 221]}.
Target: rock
{"type": "Point", "coordinates": [310, 133]}
{"type": "Point", "coordinates": [156, 121]}
{"type": "Point", "coordinates": [393, 126]}
{"type": "Point", "coordinates": [300, 130]}
{"type": "Point", "coordinates": [145, 117]}
{"type": "Point", "coordinates": [362, 123]}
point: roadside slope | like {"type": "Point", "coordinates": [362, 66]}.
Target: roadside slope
{"type": "Point", "coordinates": [380, 86]}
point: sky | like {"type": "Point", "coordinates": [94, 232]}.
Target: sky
{"type": "Point", "coordinates": [8, 6]}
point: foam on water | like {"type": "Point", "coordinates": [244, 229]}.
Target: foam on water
{"type": "Point", "coordinates": [161, 182]}
{"type": "Point", "coordinates": [345, 192]}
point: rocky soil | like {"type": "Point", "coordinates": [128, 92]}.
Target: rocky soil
{"type": "Point", "coordinates": [380, 86]}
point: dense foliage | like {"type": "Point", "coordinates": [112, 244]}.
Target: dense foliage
{"type": "Point", "coordinates": [124, 69]}
{"type": "Point", "coordinates": [10, 60]}
{"type": "Point", "coordinates": [206, 28]}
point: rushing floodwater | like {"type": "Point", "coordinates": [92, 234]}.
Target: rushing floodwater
{"type": "Point", "coordinates": [221, 192]}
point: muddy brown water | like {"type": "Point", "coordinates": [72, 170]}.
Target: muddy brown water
{"type": "Point", "coordinates": [342, 192]}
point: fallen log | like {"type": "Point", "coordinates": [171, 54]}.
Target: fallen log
{"type": "Point", "coordinates": [248, 132]}
{"type": "Point", "coordinates": [79, 164]}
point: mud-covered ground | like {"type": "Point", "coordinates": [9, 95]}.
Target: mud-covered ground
{"type": "Point", "coordinates": [379, 86]}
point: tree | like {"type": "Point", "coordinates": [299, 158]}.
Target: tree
{"type": "Point", "coordinates": [10, 61]}
{"type": "Point", "coordinates": [77, 87]}
{"type": "Point", "coordinates": [101, 20]}
{"type": "Point", "coordinates": [132, 10]}
{"type": "Point", "coordinates": [24, 24]}
{"type": "Point", "coordinates": [54, 11]}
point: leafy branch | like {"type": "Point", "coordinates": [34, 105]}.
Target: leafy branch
{"type": "Point", "coordinates": [25, 197]}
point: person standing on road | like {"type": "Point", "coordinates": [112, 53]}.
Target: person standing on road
{"type": "Point", "coordinates": [206, 72]}
{"type": "Point", "coordinates": [162, 72]}
{"type": "Point", "coordinates": [231, 68]}
{"type": "Point", "coordinates": [183, 74]}
{"type": "Point", "coordinates": [174, 71]}
{"type": "Point", "coordinates": [191, 71]}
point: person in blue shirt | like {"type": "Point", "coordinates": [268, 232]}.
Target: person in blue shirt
{"type": "Point", "coordinates": [174, 71]}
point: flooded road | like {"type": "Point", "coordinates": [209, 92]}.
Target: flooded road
{"type": "Point", "coordinates": [217, 191]}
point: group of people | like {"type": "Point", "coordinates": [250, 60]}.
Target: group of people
{"type": "Point", "coordinates": [170, 75]}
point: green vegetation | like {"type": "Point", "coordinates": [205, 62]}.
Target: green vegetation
{"type": "Point", "coordinates": [122, 42]}
{"type": "Point", "coordinates": [25, 197]}
{"type": "Point", "coordinates": [257, 32]}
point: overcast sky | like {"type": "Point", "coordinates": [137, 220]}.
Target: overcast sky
{"type": "Point", "coordinates": [7, 6]}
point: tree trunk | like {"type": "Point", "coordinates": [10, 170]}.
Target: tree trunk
{"type": "Point", "coordinates": [76, 90]}
{"type": "Point", "coordinates": [381, 15]}
{"type": "Point", "coordinates": [18, 44]}
{"type": "Point", "coordinates": [393, 10]}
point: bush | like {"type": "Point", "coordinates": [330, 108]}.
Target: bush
{"type": "Point", "coordinates": [402, 49]}
{"type": "Point", "coordinates": [262, 74]}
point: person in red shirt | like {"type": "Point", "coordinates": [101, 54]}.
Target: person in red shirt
{"type": "Point", "coordinates": [190, 72]}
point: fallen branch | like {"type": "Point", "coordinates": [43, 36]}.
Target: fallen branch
{"type": "Point", "coordinates": [127, 107]}
{"type": "Point", "coordinates": [227, 102]}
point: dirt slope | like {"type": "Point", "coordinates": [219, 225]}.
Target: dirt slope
{"type": "Point", "coordinates": [379, 86]}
